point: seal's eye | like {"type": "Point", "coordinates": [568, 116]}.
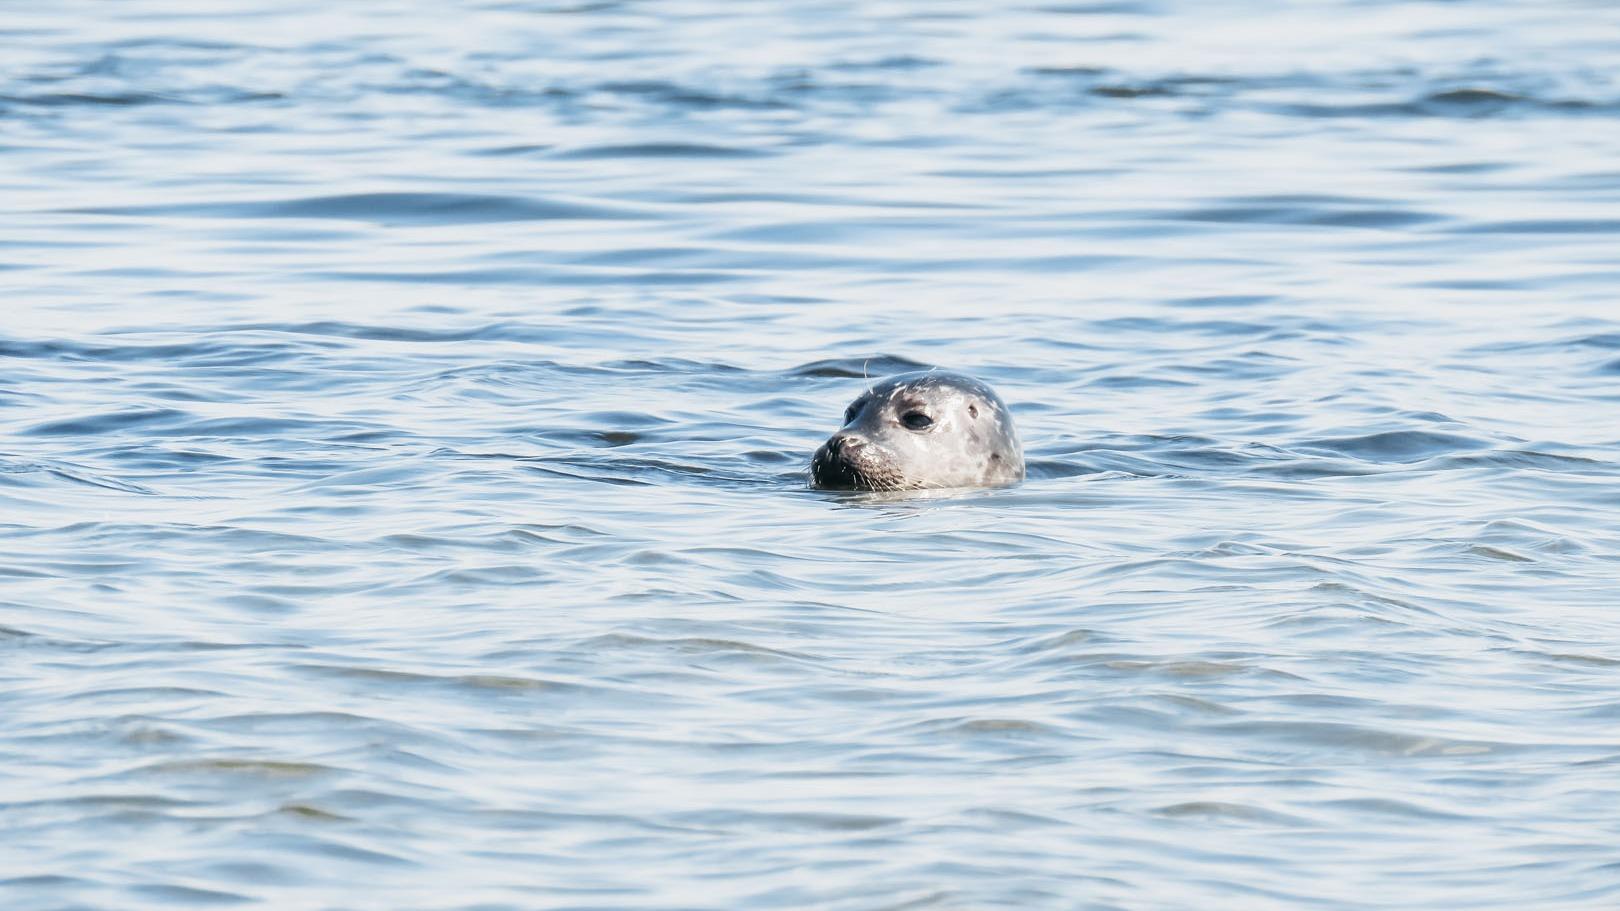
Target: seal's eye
{"type": "Point", "coordinates": [916, 420]}
{"type": "Point", "coordinates": [853, 409]}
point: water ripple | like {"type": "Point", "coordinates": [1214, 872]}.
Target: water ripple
{"type": "Point", "coordinates": [404, 424]}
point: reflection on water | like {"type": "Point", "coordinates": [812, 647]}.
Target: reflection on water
{"type": "Point", "coordinates": [406, 414]}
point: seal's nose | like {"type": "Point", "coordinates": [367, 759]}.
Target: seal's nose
{"type": "Point", "coordinates": [844, 444]}
{"type": "Point", "coordinates": [836, 464]}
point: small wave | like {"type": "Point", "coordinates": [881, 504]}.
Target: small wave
{"type": "Point", "coordinates": [1223, 811]}
{"type": "Point", "coordinates": [108, 422]}
{"type": "Point", "coordinates": [385, 208]}
{"type": "Point", "coordinates": [1337, 736]}
{"type": "Point", "coordinates": [1457, 103]}
{"type": "Point", "coordinates": [504, 332]}
{"type": "Point", "coordinates": [658, 150]}
{"type": "Point", "coordinates": [678, 95]}
{"type": "Point", "coordinates": [178, 896]}
{"type": "Point", "coordinates": [1397, 445]}
{"type": "Point", "coordinates": [484, 682]}
{"type": "Point", "coordinates": [855, 367]}
{"type": "Point", "coordinates": [1305, 212]}
{"type": "Point", "coordinates": [1544, 226]}
{"type": "Point", "coordinates": [213, 352]}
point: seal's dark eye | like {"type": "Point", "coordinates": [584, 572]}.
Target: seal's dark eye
{"type": "Point", "coordinates": [916, 420]}
{"type": "Point", "coordinates": [853, 409]}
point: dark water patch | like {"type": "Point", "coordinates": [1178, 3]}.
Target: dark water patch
{"type": "Point", "coordinates": [673, 365]}
{"type": "Point", "coordinates": [631, 470]}
{"type": "Point", "coordinates": [1478, 101]}
{"type": "Point", "coordinates": [1100, 82]}
{"type": "Point", "coordinates": [190, 896]}
{"type": "Point", "coordinates": [202, 350]}
{"type": "Point", "coordinates": [896, 62]}
{"type": "Point", "coordinates": [228, 767]}
{"type": "Point", "coordinates": [1545, 226]}
{"type": "Point", "coordinates": [1603, 341]}
{"type": "Point", "coordinates": [212, 48]}
{"type": "Point", "coordinates": [1462, 167]}
{"type": "Point", "coordinates": [1303, 469]}
{"type": "Point", "coordinates": [733, 820]}
{"type": "Point", "coordinates": [400, 208]}
{"type": "Point", "coordinates": [676, 95]}
{"type": "Point", "coordinates": [695, 647]}
{"type": "Point", "coordinates": [1202, 327]}
{"type": "Point", "coordinates": [1334, 736]}
{"type": "Point", "coordinates": [1305, 212]}
{"type": "Point", "coordinates": [609, 439]}
{"type": "Point", "coordinates": [1397, 808]}
{"type": "Point", "coordinates": [658, 150]}
{"type": "Point", "coordinates": [513, 150]}
{"type": "Point", "coordinates": [273, 428]}
{"type": "Point", "coordinates": [1024, 173]}
{"type": "Point", "coordinates": [1129, 381]}
{"type": "Point", "coordinates": [1497, 553]}
{"type": "Point", "coordinates": [43, 474]}
{"type": "Point", "coordinates": [1464, 103]}
{"type": "Point", "coordinates": [562, 469]}
{"type": "Point", "coordinates": [1607, 340]}
{"type": "Point", "coordinates": [1184, 669]}
{"type": "Point", "coordinates": [1396, 445]}
{"type": "Point", "coordinates": [540, 277]}
{"type": "Point", "coordinates": [1522, 459]}
{"type": "Point", "coordinates": [47, 881]}
{"type": "Point", "coordinates": [1222, 301]}
{"type": "Point", "coordinates": [326, 849]}
{"type": "Point", "coordinates": [724, 262]}
{"type": "Point", "coordinates": [469, 90]}
{"type": "Point", "coordinates": [1131, 91]}
{"type": "Point", "coordinates": [1223, 811]}
{"type": "Point", "coordinates": [470, 683]}
{"type": "Point", "coordinates": [982, 730]}
{"type": "Point", "coordinates": [164, 458]}
{"type": "Point", "coordinates": [68, 99]}
{"type": "Point", "coordinates": [517, 332]}
{"type": "Point", "coordinates": [109, 422]}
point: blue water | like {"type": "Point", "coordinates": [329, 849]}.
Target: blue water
{"type": "Point", "coordinates": [405, 408]}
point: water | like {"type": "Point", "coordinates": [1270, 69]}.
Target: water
{"type": "Point", "coordinates": [405, 414]}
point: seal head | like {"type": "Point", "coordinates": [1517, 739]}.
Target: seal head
{"type": "Point", "coordinates": [924, 430]}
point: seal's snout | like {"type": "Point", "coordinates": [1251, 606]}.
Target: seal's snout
{"type": "Point", "coordinates": [835, 464]}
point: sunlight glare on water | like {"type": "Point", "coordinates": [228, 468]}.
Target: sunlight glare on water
{"type": "Point", "coordinates": [406, 411]}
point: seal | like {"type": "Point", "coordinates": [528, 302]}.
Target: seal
{"type": "Point", "coordinates": [923, 430]}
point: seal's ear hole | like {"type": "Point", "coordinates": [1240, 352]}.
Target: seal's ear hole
{"type": "Point", "coordinates": [973, 411]}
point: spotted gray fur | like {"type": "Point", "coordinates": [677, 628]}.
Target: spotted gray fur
{"type": "Point", "coordinates": [968, 440]}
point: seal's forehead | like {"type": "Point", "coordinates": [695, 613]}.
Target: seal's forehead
{"type": "Point", "coordinates": [929, 385]}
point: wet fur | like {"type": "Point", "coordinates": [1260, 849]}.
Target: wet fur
{"type": "Point", "coordinates": [971, 442]}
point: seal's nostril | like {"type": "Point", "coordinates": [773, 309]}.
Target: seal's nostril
{"type": "Point", "coordinates": [843, 444]}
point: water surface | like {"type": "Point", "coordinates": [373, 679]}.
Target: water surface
{"type": "Point", "coordinates": [404, 414]}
